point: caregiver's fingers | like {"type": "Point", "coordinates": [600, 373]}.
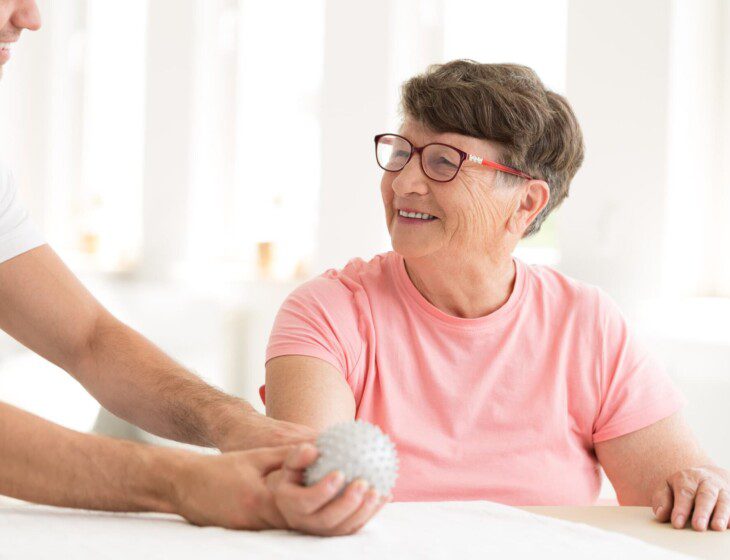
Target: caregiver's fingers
{"type": "Point", "coordinates": [271, 515]}
{"type": "Point", "coordinates": [705, 500]}
{"type": "Point", "coordinates": [684, 486]}
{"type": "Point", "coordinates": [268, 459]}
{"type": "Point", "coordinates": [721, 517]}
{"type": "Point", "coordinates": [662, 502]}
{"type": "Point", "coordinates": [299, 457]}
{"type": "Point", "coordinates": [370, 507]}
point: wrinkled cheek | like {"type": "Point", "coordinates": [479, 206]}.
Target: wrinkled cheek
{"type": "Point", "coordinates": [475, 230]}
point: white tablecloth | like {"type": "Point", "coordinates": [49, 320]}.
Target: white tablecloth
{"type": "Point", "coordinates": [403, 530]}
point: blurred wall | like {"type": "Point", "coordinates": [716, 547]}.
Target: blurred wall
{"type": "Point", "coordinates": [140, 165]}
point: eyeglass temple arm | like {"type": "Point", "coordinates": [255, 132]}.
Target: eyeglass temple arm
{"type": "Point", "coordinates": [497, 166]}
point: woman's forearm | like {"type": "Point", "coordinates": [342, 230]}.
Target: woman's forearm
{"type": "Point", "coordinates": [45, 463]}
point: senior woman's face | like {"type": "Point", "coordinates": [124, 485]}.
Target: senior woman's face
{"type": "Point", "coordinates": [470, 211]}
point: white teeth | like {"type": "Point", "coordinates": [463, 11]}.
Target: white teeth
{"type": "Point", "coordinates": [6, 46]}
{"type": "Point", "coordinates": [419, 215]}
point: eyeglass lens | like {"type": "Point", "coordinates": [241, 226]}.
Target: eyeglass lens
{"type": "Point", "coordinates": [439, 162]}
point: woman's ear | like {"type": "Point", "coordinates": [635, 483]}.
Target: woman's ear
{"type": "Point", "coordinates": [533, 197]}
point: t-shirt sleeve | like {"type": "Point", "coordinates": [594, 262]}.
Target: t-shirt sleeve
{"type": "Point", "coordinates": [319, 319]}
{"type": "Point", "coordinates": [635, 389]}
{"type": "Point", "coordinates": [17, 233]}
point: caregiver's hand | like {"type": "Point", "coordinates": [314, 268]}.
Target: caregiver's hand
{"type": "Point", "coordinates": [228, 490]}
{"type": "Point", "coordinates": [315, 509]}
{"type": "Point", "coordinates": [706, 490]}
{"type": "Point", "coordinates": [257, 430]}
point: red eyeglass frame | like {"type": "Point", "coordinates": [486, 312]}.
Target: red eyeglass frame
{"type": "Point", "coordinates": [462, 154]}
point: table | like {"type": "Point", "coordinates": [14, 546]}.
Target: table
{"type": "Point", "coordinates": [402, 530]}
{"type": "Point", "coordinates": [639, 522]}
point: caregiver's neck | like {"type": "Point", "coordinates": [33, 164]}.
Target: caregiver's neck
{"type": "Point", "coordinates": [462, 286]}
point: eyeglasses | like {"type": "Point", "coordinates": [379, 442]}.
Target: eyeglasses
{"type": "Point", "coordinates": [440, 162]}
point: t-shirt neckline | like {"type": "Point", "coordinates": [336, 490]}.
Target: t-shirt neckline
{"type": "Point", "coordinates": [404, 283]}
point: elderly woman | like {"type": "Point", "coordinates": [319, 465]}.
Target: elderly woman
{"type": "Point", "coordinates": [497, 380]}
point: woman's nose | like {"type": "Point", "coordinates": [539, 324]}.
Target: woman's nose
{"type": "Point", "coordinates": [27, 15]}
{"type": "Point", "coordinates": [410, 179]}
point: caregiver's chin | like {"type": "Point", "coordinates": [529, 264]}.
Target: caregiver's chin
{"type": "Point", "coordinates": [481, 215]}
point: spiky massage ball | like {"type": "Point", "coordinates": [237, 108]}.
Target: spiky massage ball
{"type": "Point", "coordinates": [358, 449]}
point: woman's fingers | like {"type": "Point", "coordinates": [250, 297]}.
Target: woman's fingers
{"type": "Point", "coordinates": [662, 503]}
{"type": "Point", "coordinates": [684, 488]}
{"type": "Point", "coordinates": [371, 505]}
{"type": "Point", "coordinates": [705, 500]}
{"type": "Point", "coordinates": [701, 494]}
{"type": "Point", "coordinates": [295, 500]}
{"type": "Point", "coordinates": [333, 514]}
{"type": "Point", "coordinates": [721, 517]}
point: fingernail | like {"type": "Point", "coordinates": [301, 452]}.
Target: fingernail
{"type": "Point", "coordinates": [361, 486]}
{"type": "Point", "coordinates": [658, 511]}
{"type": "Point", "coordinates": [702, 522]}
{"type": "Point", "coordinates": [337, 479]}
{"type": "Point", "coordinates": [679, 520]}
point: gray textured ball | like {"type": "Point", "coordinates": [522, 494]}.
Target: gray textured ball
{"type": "Point", "coordinates": [359, 450]}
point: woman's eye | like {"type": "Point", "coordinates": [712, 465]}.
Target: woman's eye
{"type": "Point", "coordinates": [445, 162]}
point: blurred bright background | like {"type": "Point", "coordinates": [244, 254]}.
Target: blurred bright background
{"type": "Point", "coordinates": [195, 160]}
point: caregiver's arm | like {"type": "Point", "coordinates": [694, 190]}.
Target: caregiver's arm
{"type": "Point", "coordinates": [45, 463]}
{"type": "Point", "coordinates": [46, 308]}
{"type": "Point", "coordinates": [307, 391]}
{"type": "Point", "coordinates": [662, 465]}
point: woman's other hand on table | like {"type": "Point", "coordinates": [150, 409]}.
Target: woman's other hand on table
{"type": "Point", "coordinates": [700, 492]}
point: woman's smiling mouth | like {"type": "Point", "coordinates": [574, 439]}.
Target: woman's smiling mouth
{"type": "Point", "coordinates": [412, 217]}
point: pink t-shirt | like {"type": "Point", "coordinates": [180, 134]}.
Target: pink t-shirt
{"type": "Point", "coordinates": [504, 407]}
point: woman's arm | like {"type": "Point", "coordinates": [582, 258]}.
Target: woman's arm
{"type": "Point", "coordinates": [307, 391]}
{"type": "Point", "coordinates": [663, 466]}
{"type": "Point", "coordinates": [310, 391]}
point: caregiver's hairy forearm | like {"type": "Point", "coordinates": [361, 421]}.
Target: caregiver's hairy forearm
{"type": "Point", "coordinates": [307, 391]}
{"type": "Point", "coordinates": [45, 463]}
{"type": "Point", "coordinates": [639, 462]}
{"type": "Point", "coordinates": [136, 381]}
{"type": "Point", "coordinates": [46, 308]}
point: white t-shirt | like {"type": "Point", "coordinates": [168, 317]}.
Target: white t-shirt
{"type": "Point", "coordinates": [18, 234]}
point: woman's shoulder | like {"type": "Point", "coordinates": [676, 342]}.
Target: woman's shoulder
{"type": "Point", "coordinates": [552, 284]}
{"type": "Point", "coordinates": [356, 278]}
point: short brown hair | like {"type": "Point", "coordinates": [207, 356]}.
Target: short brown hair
{"type": "Point", "coordinates": [508, 104]}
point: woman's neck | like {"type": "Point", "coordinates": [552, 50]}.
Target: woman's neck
{"type": "Point", "coordinates": [466, 288]}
